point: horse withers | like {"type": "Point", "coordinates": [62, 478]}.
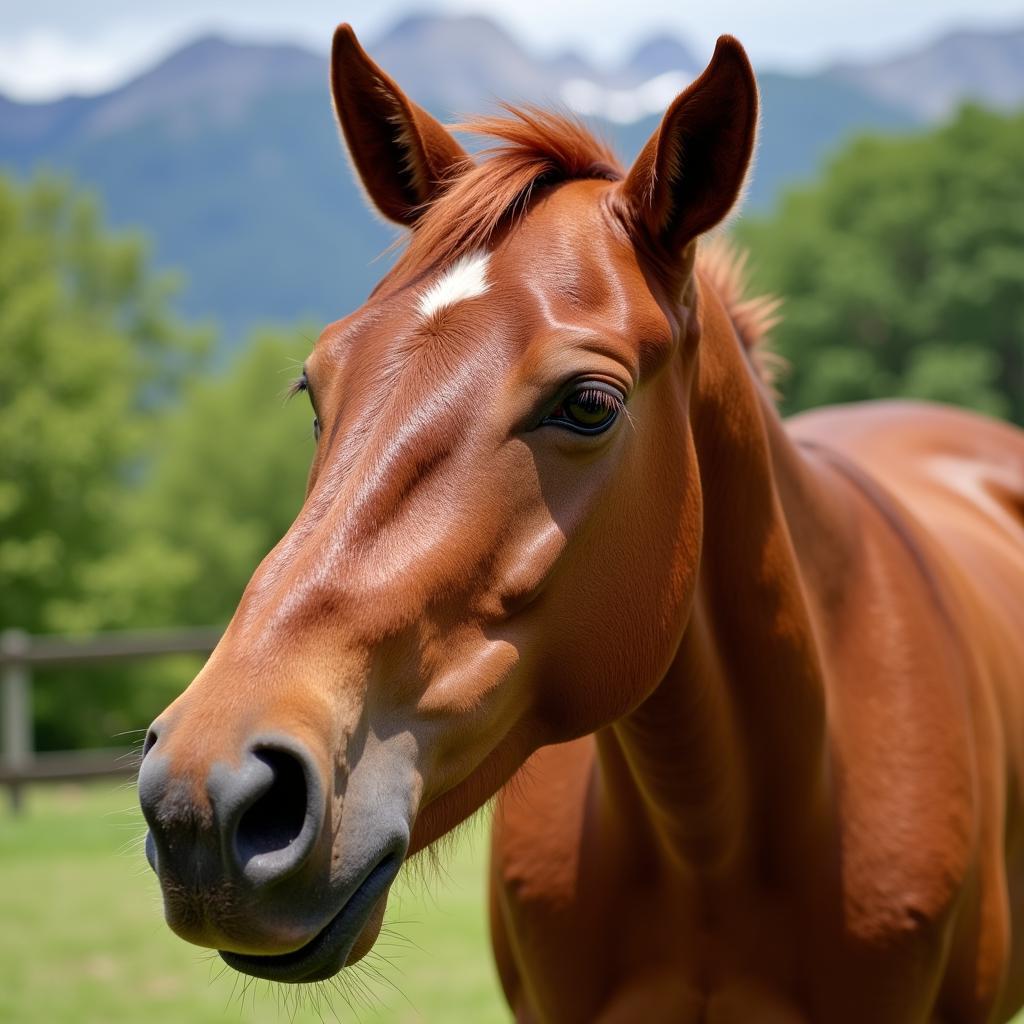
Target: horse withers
{"type": "Point", "coordinates": [759, 685]}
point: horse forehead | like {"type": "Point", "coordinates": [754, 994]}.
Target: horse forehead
{"type": "Point", "coordinates": [568, 257]}
{"type": "Point", "coordinates": [572, 260]}
{"type": "Point", "coordinates": [567, 223]}
{"type": "Point", "coordinates": [465, 279]}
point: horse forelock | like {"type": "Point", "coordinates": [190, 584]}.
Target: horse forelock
{"type": "Point", "coordinates": [533, 148]}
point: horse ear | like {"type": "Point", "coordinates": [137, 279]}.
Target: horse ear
{"type": "Point", "coordinates": [401, 153]}
{"type": "Point", "coordinates": [691, 171]}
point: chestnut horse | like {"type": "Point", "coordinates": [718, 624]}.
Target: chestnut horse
{"type": "Point", "coordinates": [763, 680]}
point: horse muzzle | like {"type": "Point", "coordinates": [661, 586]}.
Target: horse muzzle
{"type": "Point", "coordinates": [250, 864]}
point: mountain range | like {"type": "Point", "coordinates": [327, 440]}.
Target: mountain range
{"type": "Point", "coordinates": [227, 156]}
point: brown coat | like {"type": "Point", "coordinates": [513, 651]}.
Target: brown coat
{"type": "Point", "coordinates": [758, 686]}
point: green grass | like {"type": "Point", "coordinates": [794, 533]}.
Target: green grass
{"type": "Point", "coordinates": [82, 938]}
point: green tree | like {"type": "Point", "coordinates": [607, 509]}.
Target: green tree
{"type": "Point", "coordinates": [225, 477]}
{"type": "Point", "coordinates": [89, 357]}
{"type": "Point", "coordinates": [228, 478]}
{"type": "Point", "coordinates": [902, 269]}
{"type": "Point", "coordinates": [137, 487]}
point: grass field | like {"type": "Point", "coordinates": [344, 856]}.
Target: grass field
{"type": "Point", "coordinates": [82, 939]}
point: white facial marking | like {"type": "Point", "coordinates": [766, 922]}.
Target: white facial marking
{"type": "Point", "coordinates": [466, 278]}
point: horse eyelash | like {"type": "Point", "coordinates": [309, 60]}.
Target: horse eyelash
{"type": "Point", "coordinates": [298, 385]}
{"type": "Point", "coordinates": [598, 396]}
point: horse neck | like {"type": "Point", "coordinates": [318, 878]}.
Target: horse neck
{"type": "Point", "coordinates": [726, 759]}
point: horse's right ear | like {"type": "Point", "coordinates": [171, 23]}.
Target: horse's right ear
{"type": "Point", "coordinates": [402, 154]}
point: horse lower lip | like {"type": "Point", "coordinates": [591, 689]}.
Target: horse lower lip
{"type": "Point", "coordinates": [325, 954]}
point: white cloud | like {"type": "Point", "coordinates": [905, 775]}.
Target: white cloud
{"type": "Point", "coordinates": [624, 106]}
{"type": "Point", "coordinates": [50, 47]}
{"type": "Point", "coordinates": [42, 64]}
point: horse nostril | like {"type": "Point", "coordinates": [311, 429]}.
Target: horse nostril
{"type": "Point", "coordinates": [151, 737]}
{"type": "Point", "coordinates": [258, 820]}
{"type": "Point", "coordinates": [275, 819]}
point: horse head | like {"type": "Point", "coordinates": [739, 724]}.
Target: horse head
{"type": "Point", "coordinates": [500, 538]}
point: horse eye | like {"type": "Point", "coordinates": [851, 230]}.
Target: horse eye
{"type": "Point", "coordinates": [591, 408]}
{"type": "Point", "coordinates": [316, 429]}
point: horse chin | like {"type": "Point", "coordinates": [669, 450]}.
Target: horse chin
{"type": "Point", "coordinates": [345, 940]}
{"type": "Point", "coordinates": [368, 936]}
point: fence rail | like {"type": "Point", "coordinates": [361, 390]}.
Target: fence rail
{"type": "Point", "coordinates": [20, 653]}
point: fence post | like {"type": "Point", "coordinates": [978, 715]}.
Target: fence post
{"type": "Point", "coordinates": [16, 703]}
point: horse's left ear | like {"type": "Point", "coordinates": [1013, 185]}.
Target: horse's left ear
{"type": "Point", "coordinates": [691, 171]}
{"type": "Point", "coordinates": [402, 154]}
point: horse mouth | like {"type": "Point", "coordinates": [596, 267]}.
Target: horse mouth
{"type": "Point", "coordinates": [328, 951]}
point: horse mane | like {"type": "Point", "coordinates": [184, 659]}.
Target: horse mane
{"type": "Point", "coordinates": [724, 267]}
{"type": "Point", "coordinates": [535, 148]}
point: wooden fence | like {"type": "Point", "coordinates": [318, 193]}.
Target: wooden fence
{"type": "Point", "coordinates": [20, 653]}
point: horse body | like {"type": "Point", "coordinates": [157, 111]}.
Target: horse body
{"type": "Point", "coordinates": [757, 686]}
{"type": "Point", "coordinates": [679, 866]}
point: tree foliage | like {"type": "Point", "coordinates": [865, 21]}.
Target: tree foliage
{"type": "Point", "coordinates": [89, 357]}
{"type": "Point", "coordinates": [139, 488]}
{"type": "Point", "coordinates": [224, 478]}
{"type": "Point", "coordinates": [228, 476]}
{"type": "Point", "coordinates": [902, 270]}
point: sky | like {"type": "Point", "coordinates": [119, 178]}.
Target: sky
{"type": "Point", "coordinates": [51, 47]}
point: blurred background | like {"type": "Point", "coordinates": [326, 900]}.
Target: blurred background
{"type": "Point", "coordinates": [177, 223]}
